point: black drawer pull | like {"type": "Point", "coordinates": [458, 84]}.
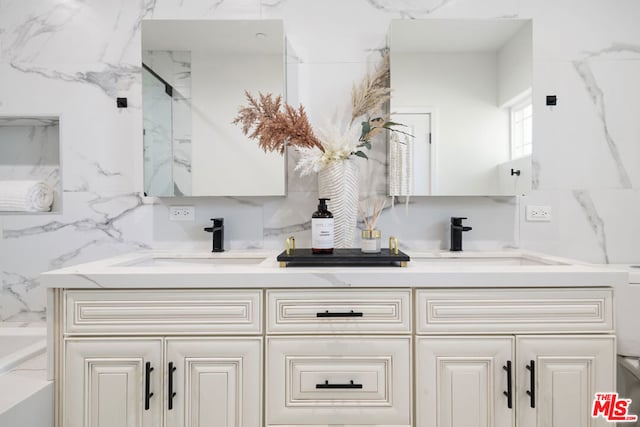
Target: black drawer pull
{"type": "Point", "coordinates": [509, 392]}
{"type": "Point", "coordinates": [532, 379]}
{"type": "Point", "coordinates": [147, 385]}
{"type": "Point", "coordinates": [172, 393]}
{"type": "Point", "coordinates": [340, 314]}
{"type": "Point", "coordinates": [327, 385]}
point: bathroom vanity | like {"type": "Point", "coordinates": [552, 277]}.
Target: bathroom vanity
{"type": "Point", "coordinates": [492, 339]}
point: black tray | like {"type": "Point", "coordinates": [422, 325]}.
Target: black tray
{"type": "Point", "coordinates": [303, 257]}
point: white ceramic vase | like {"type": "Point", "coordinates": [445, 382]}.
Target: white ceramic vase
{"type": "Point", "coordinates": [339, 182]}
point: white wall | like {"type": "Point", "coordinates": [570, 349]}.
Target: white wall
{"type": "Point", "coordinates": [471, 132]}
{"type": "Point", "coordinates": [586, 154]}
{"type": "Point", "coordinates": [225, 162]}
{"type": "Point", "coordinates": [515, 66]}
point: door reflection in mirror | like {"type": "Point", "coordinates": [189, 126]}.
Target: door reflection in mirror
{"type": "Point", "coordinates": [456, 82]}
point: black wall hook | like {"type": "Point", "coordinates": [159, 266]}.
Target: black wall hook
{"type": "Point", "coordinates": [515, 172]}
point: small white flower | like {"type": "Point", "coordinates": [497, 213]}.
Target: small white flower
{"type": "Point", "coordinates": [341, 143]}
{"type": "Point", "coordinates": [338, 145]}
{"type": "Point", "coordinates": [311, 161]}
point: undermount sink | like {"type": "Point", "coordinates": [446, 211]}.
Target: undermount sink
{"type": "Point", "coordinates": [473, 260]}
{"type": "Point", "coordinates": [194, 261]}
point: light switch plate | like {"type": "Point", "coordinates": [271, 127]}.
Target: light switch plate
{"type": "Point", "coordinates": [182, 213]}
{"type": "Point", "coordinates": [538, 213]}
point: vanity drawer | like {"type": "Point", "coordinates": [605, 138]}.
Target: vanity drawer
{"type": "Point", "coordinates": [163, 311]}
{"type": "Point", "coordinates": [348, 380]}
{"type": "Point", "coordinates": [514, 310]}
{"type": "Point", "coordinates": [337, 311]}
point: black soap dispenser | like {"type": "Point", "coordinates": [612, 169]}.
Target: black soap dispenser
{"type": "Point", "coordinates": [322, 229]}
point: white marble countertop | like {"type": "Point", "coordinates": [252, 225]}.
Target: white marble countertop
{"type": "Point", "coordinates": [426, 269]}
{"type": "Point", "coordinates": [632, 269]}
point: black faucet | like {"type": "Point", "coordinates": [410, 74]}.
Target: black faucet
{"type": "Point", "coordinates": [456, 233]}
{"type": "Point", "coordinates": [218, 234]}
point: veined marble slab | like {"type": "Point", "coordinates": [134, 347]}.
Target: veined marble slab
{"type": "Point", "coordinates": [137, 270]}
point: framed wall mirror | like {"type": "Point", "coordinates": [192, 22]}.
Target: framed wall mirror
{"type": "Point", "coordinates": [464, 88]}
{"type": "Point", "coordinates": [194, 76]}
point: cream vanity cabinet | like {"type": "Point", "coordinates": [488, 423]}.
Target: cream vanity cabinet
{"type": "Point", "coordinates": [172, 358]}
{"type": "Point", "coordinates": [424, 357]}
{"type": "Point", "coordinates": [549, 352]}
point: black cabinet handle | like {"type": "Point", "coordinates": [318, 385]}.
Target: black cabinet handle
{"type": "Point", "coordinates": [147, 385]}
{"type": "Point", "coordinates": [339, 314]}
{"type": "Point", "coordinates": [509, 392]}
{"type": "Point", "coordinates": [172, 393]}
{"type": "Point", "coordinates": [327, 385]}
{"type": "Point", "coordinates": [532, 379]}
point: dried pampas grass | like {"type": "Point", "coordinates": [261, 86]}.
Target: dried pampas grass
{"type": "Point", "coordinates": [369, 96]}
{"type": "Point", "coordinates": [274, 127]}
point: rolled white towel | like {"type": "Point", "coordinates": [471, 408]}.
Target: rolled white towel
{"type": "Point", "coordinates": [25, 196]}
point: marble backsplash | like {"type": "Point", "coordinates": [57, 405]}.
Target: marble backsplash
{"type": "Point", "coordinates": [72, 58]}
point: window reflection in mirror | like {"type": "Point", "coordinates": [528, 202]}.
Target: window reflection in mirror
{"type": "Point", "coordinates": [464, 89]}
{"type": "Point", "coordinates": [195, 74]}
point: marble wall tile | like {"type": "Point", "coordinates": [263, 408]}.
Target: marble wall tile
{"type": "Point", "coordinates": [573, 29]}
{"type": "Point", "coordinates": [619, 210]}
{"type": "Point", "coordinates": [614, 84]}
{"type": "Point", "coordinates": [448, 9]}
{"type": "Point", "coordinates": [597, 226]}
{"type": "Point", "coordinates": [243, 221]}
{"type": "Point", "coordinates": [586, 152]}
{"type": "Point", "coordinates": [96, 138]}
{"type": "Point", "coordinates": [204, 9]}
{"type": "Point", "coordinates": [41, 31]}
{"type": "Point", "coordinates": [91, 227]}
{"type": "Point", "coordinates": [588, 139]}
{"type": "Point", "coordinates": [290, 216]}
{"type": "Point", "coordinates": [21, 298]}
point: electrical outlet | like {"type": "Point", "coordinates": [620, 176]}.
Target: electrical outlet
{"type": "Point", "coordinates": [182, 213]}
{"type": "Point", "coordinates": [539, 213]}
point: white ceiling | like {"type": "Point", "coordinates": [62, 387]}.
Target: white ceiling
{"type": "Point", "coordinates": [437, 35]}
{"type": "Point", "coordinates": [228, 36]}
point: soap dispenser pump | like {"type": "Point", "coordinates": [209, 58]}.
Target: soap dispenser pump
{"type": "Point", "coordinates": [322, 229]}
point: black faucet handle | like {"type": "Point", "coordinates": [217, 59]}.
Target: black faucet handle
{"type": "Point", "coordinates": [457, 220]}
{"type": "Point", "coordinates": [218, 223]}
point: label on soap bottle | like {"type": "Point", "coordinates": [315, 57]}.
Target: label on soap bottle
{"type": "Point", "coordinates": [322, 233]}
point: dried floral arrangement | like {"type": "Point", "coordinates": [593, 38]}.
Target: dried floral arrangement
{"type": "Point", "coordinates": [276, 124]}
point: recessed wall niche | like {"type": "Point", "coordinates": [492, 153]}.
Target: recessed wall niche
{"type": "Point", "coordinates": [29, 164]}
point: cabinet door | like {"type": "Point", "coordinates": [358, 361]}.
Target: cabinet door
{"type": "Point", "coordinates": [217, 382]}
{"type": "Point", "coordinates": [461, 382]}
{"type": "Point", "coordinates": [567, 372]}
{"type": "Point", "coordinates": [105, 382]}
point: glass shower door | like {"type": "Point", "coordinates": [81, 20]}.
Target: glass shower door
{"type": "Point", "coordinates": [157, 136]}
